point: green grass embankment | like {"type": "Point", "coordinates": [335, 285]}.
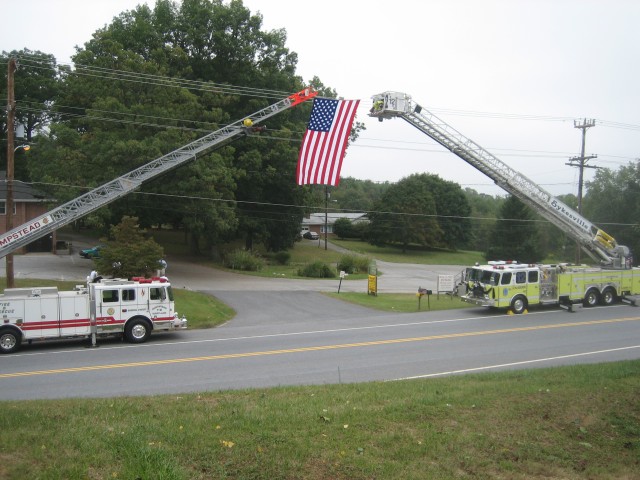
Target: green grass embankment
{"type": "Point", "coordinates": [580, 422]}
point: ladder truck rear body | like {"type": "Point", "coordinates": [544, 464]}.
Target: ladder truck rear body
{"type": "Point", "coordinates": [525, 285]}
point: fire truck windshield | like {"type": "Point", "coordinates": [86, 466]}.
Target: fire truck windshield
{"type": "Point", "coordinates": [490, 278]}
{"type": "Point", "coordinates": [473, 274]}
{"type": "Point", "coordinates": [487, 277]}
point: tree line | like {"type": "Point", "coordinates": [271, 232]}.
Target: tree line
{"type": "Point", "coordinates": [157, 78]}
{"type": "Point", "coordinates": [425, 210]}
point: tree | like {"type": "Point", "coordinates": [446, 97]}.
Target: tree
{"type": "Point", "coordinates": [406, 214]}
{"type": "Point", "coordinates": [452, 209]}
{"type": "Point", "coordinates": [267, 195]}
{"type": "Point", "coordinates": [357, 195]}
{"type": "Point", "coordinates": [612, 202]}
{"type": "Point", "coordinates": [343, 228]}
{"type": "Point", "coordinates": [36, 83]}
{"type": "Point", "coordinates": [129, 254]}
{"type": "Point", "coordinates": [515, 236]}
{"type": "Point", "coordinates": [154, 80]}
{"type": "Point", "coordinates": [484, 211]}
{"type": "Point", "coordinates": [446, 222]}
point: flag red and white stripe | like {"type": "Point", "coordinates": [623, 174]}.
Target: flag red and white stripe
{"type": "Point", "coordinates": [325, 141]}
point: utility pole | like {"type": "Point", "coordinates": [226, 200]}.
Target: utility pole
{"type": "Point", "coordinates": [581, 163]}
{"type": "Point", "coordinates": [582, 160]}
{"type": "Point", "coordinates": [11, 115]}
{"type": "Point", "coordinates": [326, 214]}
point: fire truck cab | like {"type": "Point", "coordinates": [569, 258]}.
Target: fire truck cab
{"type": "Point", "coordinates": [503, 284]}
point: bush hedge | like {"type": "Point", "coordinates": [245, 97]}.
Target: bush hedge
{"type": "Point", "coordinates": [317, 270]}
{"type": "Point", "coordinates": [244, 260]}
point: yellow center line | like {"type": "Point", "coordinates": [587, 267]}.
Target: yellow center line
{"type": "Point", "coordinates": [314, 349]}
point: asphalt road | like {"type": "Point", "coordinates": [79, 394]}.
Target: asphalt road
{"type": "Point", "coordinates": [351, 346]}
{"type": "Point", "coordinates": [287, 333]}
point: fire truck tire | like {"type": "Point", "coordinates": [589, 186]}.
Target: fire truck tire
{"type": "Point", "coordinates": [519, 304]}
{"type": "Point", "coordinates": [592, 298]}
{"type": "Point", "coordinates": [137, 330]}
{"type": "Point", "coordinates": [608, 297]}
{"type": "Point", "coordinates": [9, 340]}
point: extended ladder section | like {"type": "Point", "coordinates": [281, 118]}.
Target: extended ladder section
{"type": "Point", "coordinates": [596, 243]}
{"type": "Point", "coordinates": [121, 186]}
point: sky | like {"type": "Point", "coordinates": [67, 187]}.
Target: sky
{"type": "Point", "coordinates": [512, 75]}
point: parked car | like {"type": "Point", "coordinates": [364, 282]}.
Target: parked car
{"type": "Point", "coordinates": [311, 235]}
{"type": "Point", "coordinates": [93, 252]}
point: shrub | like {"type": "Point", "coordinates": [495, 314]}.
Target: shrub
{"type": "Point", "coordinates": [343, 228]}
{"type": "Point", "coordinates": [354, 264]}
{"type": "Point", "coordinates": [244, 260]}
{"type": "Point", "coordinates": [317, 270]}
{"type": "Point", "coordinates": [282, 258]}
{"type": "Point", "coordinates": [361, 230]}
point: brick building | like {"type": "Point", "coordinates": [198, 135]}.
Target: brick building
{"type": "Point", "coordinates": [28, 203]}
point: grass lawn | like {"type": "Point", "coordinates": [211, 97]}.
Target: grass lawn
{"type": "Point", "coordinates": [302, 253]}
{"type": "Point", "coordinates": [413, 254]}
{"type": "Point", "coordinates": [401, 302]}
{"type": "Point", "coordinates": [578, 422]}
{"type": "Point", "coordinates": [202, 311]}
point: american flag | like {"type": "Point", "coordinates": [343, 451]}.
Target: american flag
{"type": "Point", "coordinates": [325, 141]}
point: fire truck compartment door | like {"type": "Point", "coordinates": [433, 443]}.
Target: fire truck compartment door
{"type": "Point", "coordinates": [41, 317]}
{"type": "Point", "coordinates": [74, 315]}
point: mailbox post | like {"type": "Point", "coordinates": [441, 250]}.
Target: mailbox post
{"type": "Point", "coordinates": [421, 292]}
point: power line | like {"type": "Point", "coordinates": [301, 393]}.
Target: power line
{"type": "Point", "coordinates": [306, 207]}
{"type": "Point", "coordinates": [200, 126]}
{"type": "Point", "coordinates": [160, 80]}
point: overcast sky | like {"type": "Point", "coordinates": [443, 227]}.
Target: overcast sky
{"type": "Point", "coordinates": [512, 75]}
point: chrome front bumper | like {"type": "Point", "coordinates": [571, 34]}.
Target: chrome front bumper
{"type": "Point", "coordinates": [481, 302]}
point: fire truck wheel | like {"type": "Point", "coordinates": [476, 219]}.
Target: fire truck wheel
{"type": "Point", "coordinates": [608, 297]}
{"type": "Point", "coordinates": [9, 340]}
{"type": "Point", "coordinates": [137, 330]}
{"type": "Point", "coordinates": [519, 304]}
{"type": "Point", "coordinates": [591, 298]}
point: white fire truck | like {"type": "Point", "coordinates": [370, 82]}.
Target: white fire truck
{"type": "Point", "coordinates": [133, 308]}
{"type": "Point", "coordinates": [512, 285]}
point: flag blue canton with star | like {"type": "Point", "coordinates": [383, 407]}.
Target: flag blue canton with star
{"type": "Point", "coordinates": [322, 114]}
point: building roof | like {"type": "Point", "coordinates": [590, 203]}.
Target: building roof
{"type": "Point", "coordinates": [318, 218]}
{"type": "Point", "coordinates": [22, 192]}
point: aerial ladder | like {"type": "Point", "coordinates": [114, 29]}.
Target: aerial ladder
{"type": "Point", "coordinates": [121, 186]}
{"type": "Point", "coordinates": [599, 245]}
